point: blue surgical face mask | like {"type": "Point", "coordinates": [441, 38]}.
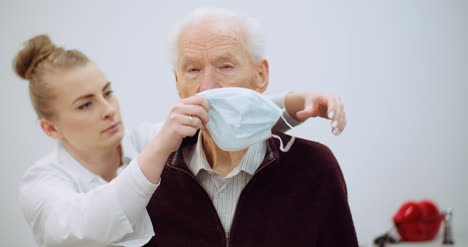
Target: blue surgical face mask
{"type": "Point", "coordinates": [241, 117]}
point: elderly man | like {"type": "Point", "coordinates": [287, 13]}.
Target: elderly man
{"type": "Point", "coordinates": [256, 196]}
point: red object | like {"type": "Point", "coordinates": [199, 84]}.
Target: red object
{"type": "Point", "coordinates": [418, 221]}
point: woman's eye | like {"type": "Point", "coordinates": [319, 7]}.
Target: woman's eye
{"type": "Point", "coordinates": [108, 93]}
{"type": "Point", "coordinates": [84, 106]}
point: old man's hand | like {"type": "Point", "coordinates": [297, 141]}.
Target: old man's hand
{"type": "Point", "coordinates": [304, 105]}
{"type": "Point", "coordinates": [184, 119]}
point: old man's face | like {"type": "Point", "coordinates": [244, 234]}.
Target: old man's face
{"type": "Point", "coordinates": [213, 55]}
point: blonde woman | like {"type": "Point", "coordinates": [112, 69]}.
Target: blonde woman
{"type": "Point", "coordinates": [93, 188]}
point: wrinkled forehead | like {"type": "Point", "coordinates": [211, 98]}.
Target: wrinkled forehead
{"type": "Point", "coordinates": [210, 34]}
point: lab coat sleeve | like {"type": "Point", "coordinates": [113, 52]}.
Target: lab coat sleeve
{"type": "Point", "coordinates": [59, 215]}
{"type": "Point", "coordinates": [142, 134]}
{"type": "Point", "coordinates": [282, 124]}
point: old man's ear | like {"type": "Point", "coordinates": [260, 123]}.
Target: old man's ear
{"type": "Point", "coordinates": [177, 83]}
{"type": "Point", "coordinates": [262, 76]}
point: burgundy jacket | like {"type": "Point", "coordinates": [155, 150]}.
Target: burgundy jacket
{"type": "Point", "coordinates": [297, 198]}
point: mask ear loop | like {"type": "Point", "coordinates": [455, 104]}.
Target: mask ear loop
{"type": "Point", "coordinates": [291, 141]}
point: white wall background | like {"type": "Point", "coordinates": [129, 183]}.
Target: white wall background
{"type": "Point", "coordinates": [400, 66]}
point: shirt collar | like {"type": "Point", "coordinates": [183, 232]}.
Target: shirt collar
{"type": "Point", "coordinates": [75, 168]}
{"type": "Point", "coordinates": [252, 159]}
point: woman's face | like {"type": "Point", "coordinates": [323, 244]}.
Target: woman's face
{"type": "Point", "coordinates": [87, 114]}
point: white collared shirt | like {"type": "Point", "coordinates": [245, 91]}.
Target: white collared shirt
{"type": "Point", "coordinates": [66, 204]}
{"type": "Point", "coordinates": [224, 191]}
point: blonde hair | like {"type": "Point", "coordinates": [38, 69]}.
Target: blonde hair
{"type": "Point", "coordinates": [35, 61]}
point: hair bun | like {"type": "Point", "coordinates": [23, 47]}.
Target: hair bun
{"type": "Point", "coordinates": [36, 50]}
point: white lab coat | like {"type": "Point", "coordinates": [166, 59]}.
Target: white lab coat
{"type": "Point", "coordinates": [65, 204]}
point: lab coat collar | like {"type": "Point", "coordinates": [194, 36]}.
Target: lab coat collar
{"type": "Point", "coordinates": [85, 175]}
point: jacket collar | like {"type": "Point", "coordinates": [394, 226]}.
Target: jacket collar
{"type": "Point", "coordinates": [176, 159]}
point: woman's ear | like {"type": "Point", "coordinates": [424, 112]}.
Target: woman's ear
{"type": "Point", "coordinates": [262, 76]}
{"type": "Point", "coordinates": [50, 129]}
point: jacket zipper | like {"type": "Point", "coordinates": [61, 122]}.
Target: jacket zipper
{"type": "Point", "coordinates": [227, 239]}
{"type": "Point", "coordinates": [240, 196]}
{"type": "Point", "coordinates": [227, 235]}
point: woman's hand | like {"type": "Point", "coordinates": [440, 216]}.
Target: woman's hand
{"type": "Point", "coordinates": [304, 105]}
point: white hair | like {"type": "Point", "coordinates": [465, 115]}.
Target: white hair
{"type": "Point", "coordinates": [253, 35]}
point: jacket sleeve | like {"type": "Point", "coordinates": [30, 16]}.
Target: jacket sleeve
{"type": "Point", "coordinates": [336, 223]}
{"type": "Point", "coordinates": [112, 213]}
